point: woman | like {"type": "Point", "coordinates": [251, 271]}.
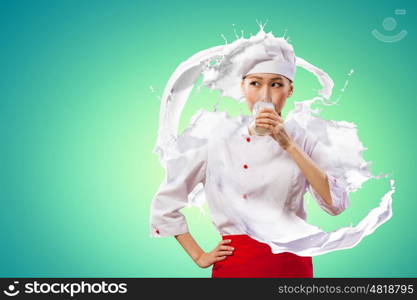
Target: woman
{"type": "Point", "coordinates": [238, 255]}
{"type": "Point", "coordinates": [254, 259]}
{"type": "Point", "coordinates": [255, 185]}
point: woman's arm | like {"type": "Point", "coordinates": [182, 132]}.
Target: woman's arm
{"type": "Point", "coordinates": [190, 245]}
{"type": "Point", "coordinates": [201, 258]}
{"type": "Point", "coordinates": [183, 173]}
{"type": "Point", "coordinates": [330, 195]}
{"type": "Point", "coordinates": [317, 178]}
{"type": "Point", "coordinates": [314, 175]}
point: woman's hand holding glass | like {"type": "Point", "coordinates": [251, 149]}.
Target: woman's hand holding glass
{"type": "Point", "coordinates": [269, 118]}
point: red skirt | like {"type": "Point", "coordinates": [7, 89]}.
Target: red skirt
{"type": "Point", "coordinates": [254, 259]}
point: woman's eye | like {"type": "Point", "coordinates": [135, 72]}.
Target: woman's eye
{"type": "Point", "coordinates": [253, 82]}
{"type": "Point", "coordinates": [279, 84]}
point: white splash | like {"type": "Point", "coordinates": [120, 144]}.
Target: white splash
{"type": "Point", "coordinates": [221, 67]}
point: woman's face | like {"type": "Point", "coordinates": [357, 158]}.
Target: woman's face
{"type": "Point", "coordinates": [270, 87]}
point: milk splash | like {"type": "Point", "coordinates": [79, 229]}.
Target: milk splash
{"type": "Point", "coordinates": [221, 67]}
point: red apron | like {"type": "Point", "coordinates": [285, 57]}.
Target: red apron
{"type": "Point", "coordinates": [254, 259]}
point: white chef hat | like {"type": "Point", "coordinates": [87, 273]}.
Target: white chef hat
{"type": "Point", "coordinates": [274, 55]}
{"type": "Point", "coordinates": [274, 66]}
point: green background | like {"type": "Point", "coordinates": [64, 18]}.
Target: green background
{"type": "Point", "coordinates": [79, 122]}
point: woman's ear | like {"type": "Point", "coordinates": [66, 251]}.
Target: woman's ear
{"type": "Point", "coordinates": [291, 91]}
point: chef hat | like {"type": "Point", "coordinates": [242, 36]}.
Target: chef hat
{"type": "Point", "coordinates": [275, 55]}
{"type": "Point", "coordinates": [274, 66]}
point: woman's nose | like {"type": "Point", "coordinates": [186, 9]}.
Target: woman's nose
{"type": "Point", "coordinates": [266, 95]}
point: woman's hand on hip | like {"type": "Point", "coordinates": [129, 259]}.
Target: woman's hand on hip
{"type": "Point", "coordinates": [217, 254]}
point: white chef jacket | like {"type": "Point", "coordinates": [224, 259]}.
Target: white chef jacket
{"type": "Point", "coordinates": [251, 184]}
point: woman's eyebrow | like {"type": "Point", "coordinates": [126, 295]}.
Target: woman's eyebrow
{"type": "Point", "coordinates": [275, 78]}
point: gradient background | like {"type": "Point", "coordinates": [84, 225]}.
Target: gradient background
{"type": "Point", "coordinates": [79, 121]}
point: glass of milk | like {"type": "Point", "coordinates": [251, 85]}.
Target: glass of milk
{"type": "Point", "coordinates": [255, 111]}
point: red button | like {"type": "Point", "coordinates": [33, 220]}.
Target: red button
{"type": "Point", "coordinates": [244, 196]}
{"type": "Point", "coordinates": [245, 166]}
{"type": "Point", "coordinates": [248, 139]}
{"type": "Point", "coordinates": [157, 231]}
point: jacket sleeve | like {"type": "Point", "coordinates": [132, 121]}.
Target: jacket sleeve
{"type": "Point", "coordinates": [327, 161]}
{"type": "Point", "coordinates": [182, 174]}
